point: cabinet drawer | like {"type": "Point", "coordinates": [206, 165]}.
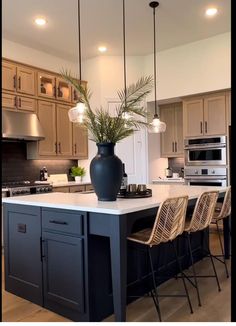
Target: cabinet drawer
{"type": "Point", "coordinates": [89, 187]}
{"type": "Point", "coordinates": [61, 189]}
{"type": "Point", "coordinates": [62, 221]}
{"type": "Point", "coordinates": [77, 188]}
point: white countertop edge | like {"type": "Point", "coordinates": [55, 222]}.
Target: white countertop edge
{"type": "Point", "coordinates": [69, 184]}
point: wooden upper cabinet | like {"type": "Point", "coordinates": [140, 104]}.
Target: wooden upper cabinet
{"type": "Point", "coordinates": [172, 138]}
{"type": "Point", "coordinates": [8, 76]}
{"type": "Point", "coordinates": [47, 118]}
{"type": "Point", "coordinates": [193, 117]}
{"type": "Point", "coordinates": [16, 102]}
{"type": "Point", "coordinates": [179, 137]}
{"type": "Point", "coordinates": [215, 115]}
{"type": "Point", "coordinates": [18, 78]}
{"type": "Point", "coordinates": [205, 116]}
{"type": "Point", "coordinates": [64, 131]}
{"type": "Point", "coordinates": [25, 80]}
{"type": "Point", "coordinates": [46, 85]}
{"type": "Point", "coordinates": [228, 108]}
{"type": "Point", "coordinates": [75, 95]}
{"type": "Point", "coordinates": [167, 138]}
{"type": "Point", "coordinates": [63, 91]}
{"type": "Point", "coordinates": [80, 141]}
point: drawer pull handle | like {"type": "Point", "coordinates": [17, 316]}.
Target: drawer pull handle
{"type": "Point", "coordinates": [58, 222]}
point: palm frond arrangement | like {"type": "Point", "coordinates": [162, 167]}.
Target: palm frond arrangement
{"type": "Point", "coordinates": [105, 128]}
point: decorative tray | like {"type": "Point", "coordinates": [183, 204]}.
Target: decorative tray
{"type": "Point", "coordinates": [141, 194]}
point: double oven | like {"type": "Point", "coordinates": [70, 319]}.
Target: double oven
{"type": "Point", "coordinates": [206, 161]}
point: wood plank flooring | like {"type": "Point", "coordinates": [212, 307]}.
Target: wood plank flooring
{"type": "Point", "coordinates": [216, 306]}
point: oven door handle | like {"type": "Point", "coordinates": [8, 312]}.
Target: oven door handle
{"type": "Point", "coordinates": [202, 147]}
{"type": "Point", "coordinates": [218, 178]}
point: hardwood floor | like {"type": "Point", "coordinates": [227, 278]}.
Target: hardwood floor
{"type": "Point", "coordinates": [216, 306]}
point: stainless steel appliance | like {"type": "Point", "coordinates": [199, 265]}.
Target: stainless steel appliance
{"type": "Point", "coordinates": [205, 151]}
{"type": "Point", "coordinates": [22, 188]}
{"type": "Point", "coordinates": [206, 176]}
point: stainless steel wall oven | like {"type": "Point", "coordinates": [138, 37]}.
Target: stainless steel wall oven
{"type": "Point", "coordinates": [205, 151]}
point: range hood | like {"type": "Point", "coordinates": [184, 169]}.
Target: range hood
{"type": "Point", "coordinates": [20, 125]}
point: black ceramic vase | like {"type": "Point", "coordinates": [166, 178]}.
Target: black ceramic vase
{"type": "Point", "coordinates": [106, 172]}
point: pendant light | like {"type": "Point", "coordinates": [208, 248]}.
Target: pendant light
{"type": "Point", "coordinates": [76, 114]}
{"type": "Point", "coordinates": [126, 115]}
{"type": "Point", "coordinates": [157, 126]}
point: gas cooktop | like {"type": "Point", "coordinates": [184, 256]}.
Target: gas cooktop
{"type": "Point", "coordinates": [17, 188]}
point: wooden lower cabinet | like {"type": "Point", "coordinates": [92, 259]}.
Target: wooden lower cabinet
{"type": "Point", "coordinates": [73, 189]}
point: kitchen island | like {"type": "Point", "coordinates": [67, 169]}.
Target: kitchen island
{"type": "Point", "coordinates": [68, 252]}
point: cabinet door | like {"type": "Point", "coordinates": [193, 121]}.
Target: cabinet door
{"type": "Point", "coordinates": [8, 101]}
{"type": "Point", "coordinates": [215, 115]}
{"type": "Point", "coordinates": [75, 94]}
{"type": "Point", "coordinates": [61, 189]}
{"type": "Point", "coordinates": [25, 80]}
{"type": "Point", "coordinates": [22, 251]}
{"type": "Point", "coordinates": [46, 85]}
{"type": "Point", "coordinates": [179, 141]}
{"type": "Point", "coordinates": [168, 137]}
{"type": "Point", "coordinates": [63, 271]}
{"type": "Point", "coordinates": [228, 108]}
{"type": "Point", "coordinates": [64, 131]}
{"type": "Point", "coordinates": [63, 91]}
{"type": "Point", "coordinates": [80, 141]}
{"type": "Point", "coordinates": [8, 76]}
{"type": "Point", "coordinates": [47, 117]}
{"type": "Point", "coordinates": [193, 117]}
{"type": "Point", "coordinates": [26, 104]}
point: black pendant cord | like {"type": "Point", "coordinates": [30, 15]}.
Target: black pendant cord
{"type": "Point", "coordinates": [124, 47]}
{"type": "Point", "coordinates": [79, 35]}
{"type": "Point", "coordinates": [153, 5]}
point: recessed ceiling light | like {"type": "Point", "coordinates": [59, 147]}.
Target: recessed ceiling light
{"type": "Point", "coordinates": [40, 21]}
{"type": "Point", "coordinates": [211, 11]}
{"type": "Point", "coordinates": [102, 49]}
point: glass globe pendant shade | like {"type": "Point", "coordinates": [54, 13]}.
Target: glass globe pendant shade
{"type": "Point", "coordinates": [76, 114]}
{"type": "Point", "coordinates": [157, 126]}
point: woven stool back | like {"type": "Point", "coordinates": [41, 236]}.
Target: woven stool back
{"type": "Point", "coordinates": [169, 222]}
{"type": "Point", "coordinates": [203, 211]}
{"type": "Point", "coordinates": [226, 206]}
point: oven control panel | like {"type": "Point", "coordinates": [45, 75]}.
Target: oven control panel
{"type": "Point", "coordinates": [202, 171]}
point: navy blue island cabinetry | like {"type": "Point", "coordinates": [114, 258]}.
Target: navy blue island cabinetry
{"type": "Point", "coordinates": [69, 253]}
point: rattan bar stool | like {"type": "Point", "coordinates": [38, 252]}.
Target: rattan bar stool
{"type": "Point", "coordinates": [222, 210]}
{"type": "Point", "coordinates": [200, 220]}
{"type": "Point", "coordinates": [169, 223]}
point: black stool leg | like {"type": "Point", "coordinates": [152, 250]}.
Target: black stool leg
{"type": "Point", "coordinates": [154, 285]}
{"type": "Point", "coordinates": [194, 273]}
{"type": "Point", "coordinates": [222, 249]}
{"type": "Point", "coordinates": [182, 276]}
{"type": "Point", "coordinates": [213, 265]}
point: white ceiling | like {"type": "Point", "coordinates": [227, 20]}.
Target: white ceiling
{"type": "Point", "coordinates": [178, 22]}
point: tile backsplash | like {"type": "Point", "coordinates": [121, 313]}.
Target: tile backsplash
{"type": "Point", "coordinates": [177, 165]}
{"type": "Point", "coordinates": [15, 166]}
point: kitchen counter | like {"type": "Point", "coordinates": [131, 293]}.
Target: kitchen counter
{"type": "Point", "coordinates": [88, 201]}
{"type": "Point", "coordinates": [73, 237]}
{"type": "Point", "coordinates": [69, 184]}
{"type": "Point", "coordinates": [169, 180]}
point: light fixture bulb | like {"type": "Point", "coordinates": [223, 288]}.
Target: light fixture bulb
{"type": "Point", "coordinates": [211, 11]}
{"type": "Point", "coordinates": [40, 21]}
{"type": "Point", "coordinates": [102, 49]}
{"type": "Point", "coordinates": [76, 114]}
{"type": "Point", "coordinates": [157, 126]}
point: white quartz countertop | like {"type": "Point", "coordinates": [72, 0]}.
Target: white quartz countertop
{"type": "Point", "coordinates": [69, 184]}
{"type": "Point", "coordinates": [88, 201]}
{"type": "Point", "coordinates": [169, 180]}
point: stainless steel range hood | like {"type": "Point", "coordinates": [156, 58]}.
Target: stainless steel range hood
{"type": "Point", "coordinates": [20, 125]}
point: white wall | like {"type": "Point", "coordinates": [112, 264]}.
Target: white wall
{"type": "Point", "coordinates": [24, 54]}
{"type": "Point", "coordinates": [192, 68]}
